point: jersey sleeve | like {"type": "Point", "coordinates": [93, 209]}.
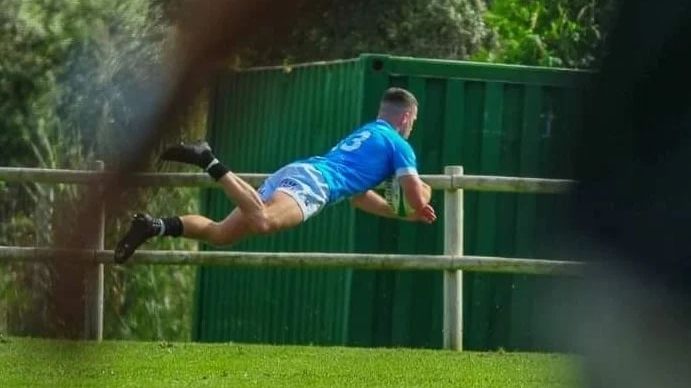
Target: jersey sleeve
{"type": "Point", "coordinates": [404, 161]}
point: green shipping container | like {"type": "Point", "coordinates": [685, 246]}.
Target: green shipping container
{"type": "Point", "coordinates": [492, 119]}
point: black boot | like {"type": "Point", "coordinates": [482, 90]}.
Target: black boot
{"type": "Point", "coordinates": [198, 154]}
{"type": "Point", "coordinates": [141, 229]}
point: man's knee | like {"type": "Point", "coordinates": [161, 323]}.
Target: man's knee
{"type": "Point", "coordinates": [261, 224]}
{"type": "Point", "coordinates": [220, 234]}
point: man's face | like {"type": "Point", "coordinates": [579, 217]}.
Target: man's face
{"type": "Point", "coordinates": [408, 122]}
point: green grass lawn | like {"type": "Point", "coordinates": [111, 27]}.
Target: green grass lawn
{"type": "Point", "coordinates": [33, 362]}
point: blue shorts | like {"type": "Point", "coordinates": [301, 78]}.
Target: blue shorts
{"type": "Point", "coordinates": [304, 183]}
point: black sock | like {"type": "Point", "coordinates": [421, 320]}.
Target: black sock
{"type": "Point", "coordinates": [168, 226]}
{"type": "Point", "coordinates": [216, 169]}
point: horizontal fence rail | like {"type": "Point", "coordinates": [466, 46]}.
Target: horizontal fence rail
{"type": "Point", "coordinates": [307, 260]}
{"type": "Point", "coordinates": [437, 182]}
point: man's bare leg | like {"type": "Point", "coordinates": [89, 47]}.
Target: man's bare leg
{"type": "Point", "coordinates": [281, 212]}
{"type": "Point", "coordinates": [204, 229]}
{"type": "Point", "coordinates": [241, 194]}
{"type": "Point", "coordinates": [237, 190]}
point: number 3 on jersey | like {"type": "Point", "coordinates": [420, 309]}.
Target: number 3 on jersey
{"type": "Point", "coordinates": [355, 142]}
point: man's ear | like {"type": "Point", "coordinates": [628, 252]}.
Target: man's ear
{"type": "Point", "coordinates": [405, 118]}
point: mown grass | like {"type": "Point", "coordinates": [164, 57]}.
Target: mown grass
{"type": "Point", "coordinates": [34, 362]}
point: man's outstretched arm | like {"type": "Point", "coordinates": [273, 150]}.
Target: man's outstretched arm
{"type": "Point", "coordinates": [373, 203]}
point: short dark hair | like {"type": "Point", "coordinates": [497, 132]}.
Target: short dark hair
{"type": "Point", "coordinates": [399, 97]}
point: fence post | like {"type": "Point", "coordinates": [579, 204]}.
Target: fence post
{"type": "Point", "coordinates": [93, 319]}
{"type": "Point", "coordinates": [453, 280]}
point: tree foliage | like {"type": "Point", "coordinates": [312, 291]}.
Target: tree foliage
{"type": "Point", "coordinates": [335, 29]}
{"type": "Point", "coordinates": [555, 33]}
{"type": "Point", "coordinates": [73, 77]}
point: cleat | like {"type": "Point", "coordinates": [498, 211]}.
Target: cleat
{"type": "Point", "coordinates": [141, 229]}
{"type": "Point", "coordinates": [198, 154]}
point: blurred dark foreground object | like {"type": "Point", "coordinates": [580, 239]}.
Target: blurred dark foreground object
{"type": "Point", "coordinates": [207, 34]}
{"type": "Point", "coordinates": [633, 209]}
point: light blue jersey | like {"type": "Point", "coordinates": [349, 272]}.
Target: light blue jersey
{"type": "Point", "coordinates": [366, 157]}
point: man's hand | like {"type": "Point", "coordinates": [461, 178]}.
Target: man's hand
{"type": "Point", "coordinates": [426, 214]}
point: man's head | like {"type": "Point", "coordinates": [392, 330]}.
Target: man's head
{"type": "Point", "coordinates": [399, 108]}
